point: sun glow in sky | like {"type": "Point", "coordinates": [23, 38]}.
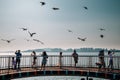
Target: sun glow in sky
{"type": "Point", "coordinates": [51, 26]}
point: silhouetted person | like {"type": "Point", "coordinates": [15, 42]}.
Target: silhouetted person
{"type": "Point", "coordinates": [60, 60]}
{"type": "Point", "coordinates": [90, 78]}
{"type": "Point", "coordinates": [18, 57]}
{"type": "Point", "coordinates": [110, 60]}
{"type": "Point", "coordinates": [75, 56]}
{"type": "Point", "coordinates": [101, 59]}
{"type": "Point", "coordinates": [13, 63]}
{"type": "Point", "coordinates": [82, 78]}
{"type": "Point", "coordinates": [44, 60]}
{"type": "Point", "coordinates": [34, 59]}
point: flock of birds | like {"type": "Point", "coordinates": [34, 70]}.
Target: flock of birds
{"type": "Point", "coordinates": [56, 8]}
{"type": "Point", "coordinates": [31, 34]}
{"type": "Point", "coordinates": [84, 39]}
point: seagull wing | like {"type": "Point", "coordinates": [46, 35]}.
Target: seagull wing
{"type": "Point", "coordinates": [11, 39]}
{"type": "Point", "coordinates": [3, 40]}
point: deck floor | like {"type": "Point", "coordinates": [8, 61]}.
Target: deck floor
{"type": "Point", "coordinates": [12, 71]}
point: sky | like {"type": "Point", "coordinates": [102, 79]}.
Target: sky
{"type": "Point", "coordinates": [51, 26]}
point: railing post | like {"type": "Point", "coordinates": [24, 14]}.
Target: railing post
{"type": "Point", "coordinates": [8, 64]}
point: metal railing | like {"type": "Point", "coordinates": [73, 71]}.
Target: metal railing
{"type": "Point", "coordinates": [53, 61]}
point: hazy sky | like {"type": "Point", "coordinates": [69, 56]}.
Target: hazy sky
{"type": "Point", "coordinates": [51, 26]}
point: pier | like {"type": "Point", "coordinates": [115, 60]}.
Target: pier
{"type": "Point", "coordinates": [86, 67]}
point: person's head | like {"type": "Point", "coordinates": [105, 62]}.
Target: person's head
{"type": "Point", "coordinates": [109, 52]}
{"type": "Point", "coordinates": [18, 51]}
{"type": "Point", "coordinates": [74, 51]}
{"type": "Point", "coordinates": [44, 53]}
{"type": "Point", "coordinates": [60, 53]}
{"type": "Point", "coordinates": [12, 58]}
{"type": "Point", "coordinates": [82, 78]}
{"type": "Point", "coordinates": [101, 51]}
{"type": "Point", "coordinates": [34, 52]}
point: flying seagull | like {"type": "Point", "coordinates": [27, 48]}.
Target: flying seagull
{"type": "Point", "coordinates": [24, 29]}
{"type": "Point", "coordinates": [31, 34]}
{"type": "Point", "coordinates": [82, 39]}
{"type": "Point", "coordinates": [85, 7]}
{"type": "Point", "coordinates": [27, 40]}
{"type": "Point", "coordinates": [101, 29]}
{"type": "Point", "coordinates": [69, 30]}
{"type": "Point", "coordinates": [8, 41]}
{"type": "Point", "coordinates": [38, 41]}
{"type": "Point", "coordinates": [55, 8]}
{"type": "Point", "coordinates": [42, 3]}
{"type": "Point", "coordinates": [101, 35]}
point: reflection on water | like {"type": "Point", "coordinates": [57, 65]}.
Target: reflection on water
{"type": "Point", "coordinates": [57, 78]}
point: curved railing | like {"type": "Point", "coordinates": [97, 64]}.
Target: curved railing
{"type": "Point", "coordinates": [84, 62]}
{"type": "Point", "coordinates": [53, 60]}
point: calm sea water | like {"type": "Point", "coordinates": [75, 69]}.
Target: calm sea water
{"type": "Point", "coordinates": [57, 78]}
{"type": "Point", "coordinates": [57, 53]}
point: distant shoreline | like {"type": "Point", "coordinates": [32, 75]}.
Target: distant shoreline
{"type": "Point", "coordinates": [65, 50]}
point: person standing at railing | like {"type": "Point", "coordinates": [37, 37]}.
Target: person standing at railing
{"type": "Point", "coordinates": [44, 60]}
{"type": "Point", "coordinates": [101, 59]}
{"type": "Point", "coordinates": [13, 63]}
{"type": "Point", "coordinates": [75, 56]}
{"type": "Point", "coordinates": [110, 60]}
{"type": "Point", "coordinates": [60, 60]}
{"type": "Point", "coordinates": [34, 59]}
{"type": "Point", "coordinates": [18, 57]}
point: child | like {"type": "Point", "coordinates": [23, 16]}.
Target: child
{"type": "Point", "coordinates": [13, 63]}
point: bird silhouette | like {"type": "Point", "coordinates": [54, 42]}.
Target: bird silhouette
{"type": "Point", "coordinates": [38, 41]}
{"type": "Point", "coordinates": [55, 8]}
{"type": "Point", "coordinates": [27, 40]}
{"type": "Point", "coordinates": [42, 3]}
{"type": "Point", "coordinates": [82, 39]}
{"type": "Point", "coordinates": [8, 41]}
{"type": "Point", "coordinates": [24, 29]}
{"type": "Point", "coordinates": [101, 35]}
{"type": "Point", "coordinates": [85, 7]}
{"type": "Point", "coordinates": [69, 30]}
{"type": "Point", "coordinates": [31, 34]}
{"type": "Point", "coordinates": [101, 29]}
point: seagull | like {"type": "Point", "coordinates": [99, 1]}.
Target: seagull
{"type": "Point", "coordinates": [85, 7]}
{"type": "Point", "coordinates": [69, 30]}
{"type": "Point", "coordinates": [24, 29]}
{"type": "Point", "coordinates": [38, 41]}
{"type": "Point", "coordinates": [42, 3]}
{"type": "Point", "coordinates": [31, 34]}
{"type": "Point", "coordinates": [27, 40]}
{"type": "Point", "coordinates": [55, 8]}
{"type": "Point", "coordinates": [82, 39]}
{"type": "Point", "coordinates": [8, 41]}
{"type": "Point", "coordinates": [101, 35]}
{"type": "Point", "coordinates": [101, 29]}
